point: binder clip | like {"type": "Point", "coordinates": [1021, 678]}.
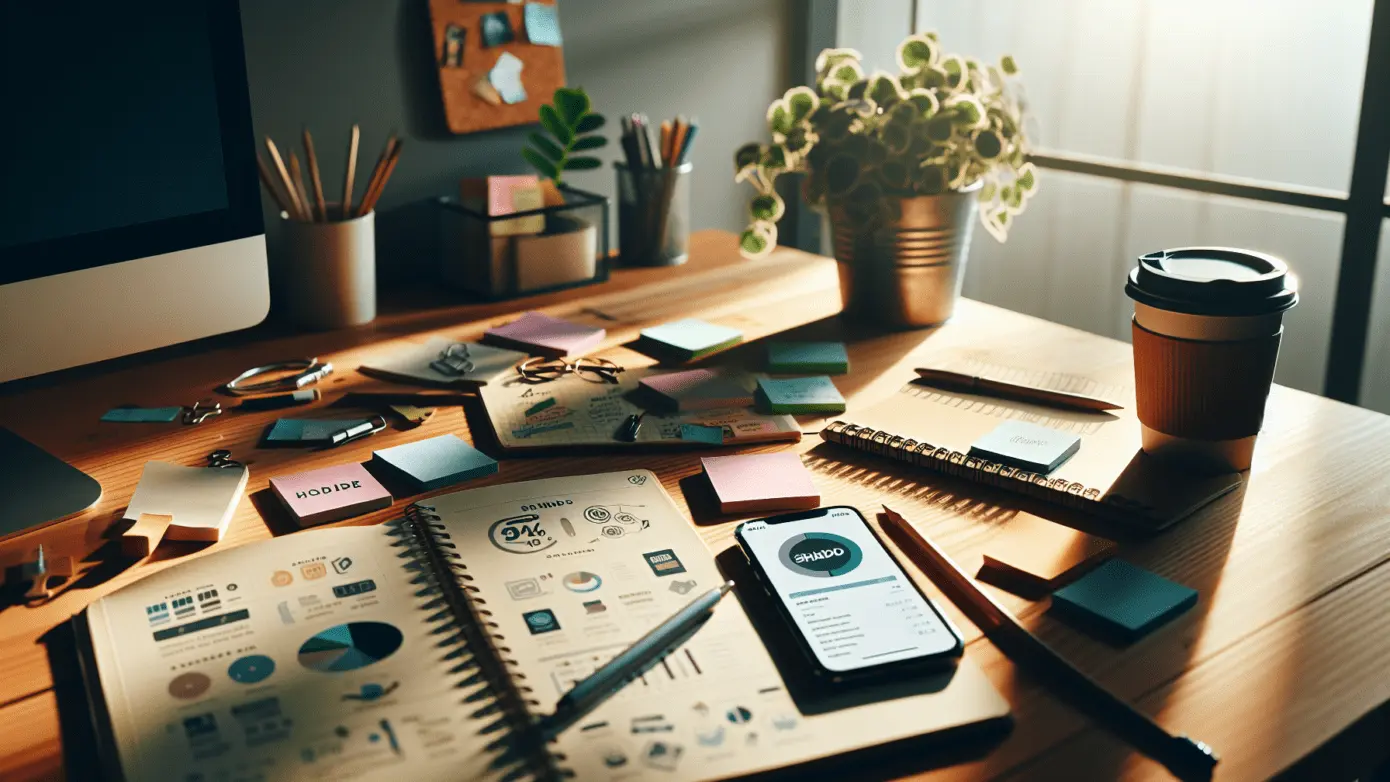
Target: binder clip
{"type": "Point", "coordinates": [200, 412]}
{"type": "Point", "coordinates": [221, 459]}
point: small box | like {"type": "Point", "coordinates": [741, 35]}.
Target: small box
{"type": "Point", "coordinates": [435, 463]}
{"type": "Point", "coordinates": [330, 494]}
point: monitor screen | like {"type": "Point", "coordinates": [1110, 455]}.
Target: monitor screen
{"type": "Point", "coordinates": [114, 131]}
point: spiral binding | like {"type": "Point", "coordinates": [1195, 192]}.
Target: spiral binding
{"type": "Point", "coordinates": [456, 611]}
{"type": "Point", "coordinates": [990, 473]}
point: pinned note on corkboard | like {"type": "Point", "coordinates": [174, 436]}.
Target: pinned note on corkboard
{"type": "Point", "coordinates": [497, 62]}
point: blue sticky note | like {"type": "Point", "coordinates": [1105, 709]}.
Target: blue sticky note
{"type": "Point", "coordinates": [308, 431]}
{"type": "Point", "coordinates": [142, 415]}
{"type": "Point", "coordinates": [692, 338]}
{"type": "Point", "coordinates": [822, 358]}
{"type": "Point", "coordinates": [436, 462]}
{"type": "Point", "coordinates": [699, 433]}
{"type": "Point", "coordinates": [542, 25]}
{"type": "Point", "coordinates": [1123, 599]}
{"type": "Point", "coordinates": [796, 395]}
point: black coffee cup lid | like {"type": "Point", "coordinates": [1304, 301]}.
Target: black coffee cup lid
{"type": "Point", "coordinates": [1220, 281]}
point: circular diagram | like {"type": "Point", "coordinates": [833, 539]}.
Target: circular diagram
{"type": "Point", "coordinates": [350, 646]}
{"type": "Point", "coordinates": [625, 518]}
{"type": "Point", "coordinates": [188, 686]}
{"type": "Point", "coordinates": [597, 514]}
{"type": "Point", "coordinates": [251, 669]}
{"type": "Point", "coordinates": [738, 715]}
{"type": "Point", "coordinates": [582, 581]}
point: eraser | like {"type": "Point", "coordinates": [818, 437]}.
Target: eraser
{"type": "Point", "coordinates": [1026, 446]}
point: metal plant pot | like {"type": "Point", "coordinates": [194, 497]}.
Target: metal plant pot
{"type": "Point", "coordinates": [907, 273]}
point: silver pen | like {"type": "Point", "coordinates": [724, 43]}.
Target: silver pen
{"type": "Point", "coordinates": [604, 683]}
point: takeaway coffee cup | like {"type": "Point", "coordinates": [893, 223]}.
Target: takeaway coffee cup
{"type": "Point", "coordinates": [1207, 325]}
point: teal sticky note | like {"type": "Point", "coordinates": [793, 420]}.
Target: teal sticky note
{"type": "Point", "coordinates": [436, 462]}
{"type": "Point", "coordinates": [691, 338]}
{"type": "Point", "coordinates": [542, 25]}
{"type": "Point", "coordinates": [821, 358]}
{"type": "Point", "coordinates": [308, 431]}
{"type": "Point", "coordinates": [1123, 599]}
{"type": "Point", "coordinates": [699, 433]}
{"type": "Point", "coordinates": [796, 395]}
{"type": "Point", "coordinates": [142, 415]}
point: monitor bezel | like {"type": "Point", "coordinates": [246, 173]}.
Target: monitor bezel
{"type": "Point", "coordinates": [242, 217]}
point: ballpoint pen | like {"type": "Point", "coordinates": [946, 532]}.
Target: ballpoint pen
{"type": "Point", "coordinates": [604, 683]}
{"type": "Point", "coordinates": [1185, 757]}
{"type": "Point", "coordinates": [956, 381]}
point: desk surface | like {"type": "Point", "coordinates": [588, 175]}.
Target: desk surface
{"type": "Point", "coordinates": [1284, 663]}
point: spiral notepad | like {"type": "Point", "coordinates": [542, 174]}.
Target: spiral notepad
{"type": "Point", "coordinates": [1108, 477]}
{"type": "Point", "coordinates": [426, 648]}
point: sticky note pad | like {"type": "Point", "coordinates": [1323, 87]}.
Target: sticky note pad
{"type": "Point", "coordinates": [436, 462]}
{"type": "Point", "coordinates": [799, 395]}
{"type": "Point", "coordinates": [753, 483]}
{"type": "Point", "coordinates": [822, 358]}
{"type": "Point", "coordinates": [1027, 446]}
{"type": "Point", "coordinates": [541, 335]}
{"type": "Point", "coordinates": [689, 339]}
{"type": "Point", "coordinates": [542, 24]}
{"type": "Point", "coordinates": [330, 494]}
{"type": "Point", "coordinates": [142, 415]}
{"type": "Point", "coordinates": [1126, 600]}
{"type": "Point", "coordinates": [697, 389]}
{"type": "Point", "coordinates": [1033, 556]}
{"type": "Point", "coordinates": [289, 431]}
{"type": "Point", "coordinates": [699, 433]}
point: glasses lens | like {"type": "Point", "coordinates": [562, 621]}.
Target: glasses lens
{"type": "Point", "coordinates": [542, 370]}
{"type": "Point", "coordinates": [597, 370]}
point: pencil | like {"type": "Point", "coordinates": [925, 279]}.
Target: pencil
{"type": "Point", "coordinates": [297, 179]}
{"type": "Point", "coordinates": [297, 210]}
{"type": "Point", "coordinates": [369, 205]}
{"type": "Point", "coordinates": [679, 131]}
{"type": "Point", "coordinates": [314, 178]}
{"type": "Point", "coordinates": [377, 171]}
{"type": "Point", "coordinates": [1185, 757]}
{"type": "Point", "coordinates": [351, 171]}
{"type": "Point", "coordinates": [268, 180]}
{"type": "Point", "coordinates": [666, 138]}
{"type": "Point", "coordinates": [691, 129]}
{"type": "Point", "coordinates": [955, 381]}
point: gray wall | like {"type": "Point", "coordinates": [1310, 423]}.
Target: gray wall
{"type": "Point", "coordinates": [329, 63]}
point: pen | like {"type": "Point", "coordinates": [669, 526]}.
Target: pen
{"type": "Point", "coordinates": [371, 426]}
{"type": "Point", "coordinates": [1185, 757]}
{"type": "Point", "coordinates": [602, 684]}
{"type": "Point", "coordinates": [955, 381]}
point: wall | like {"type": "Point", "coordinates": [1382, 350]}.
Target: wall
{"type": "Point", "coordinates": [329, 63]}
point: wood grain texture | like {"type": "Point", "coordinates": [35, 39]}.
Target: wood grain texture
{"type": "Point", "coordinates": [1286, 652]}
{"type": "Point", "coordinates": [543, 69]}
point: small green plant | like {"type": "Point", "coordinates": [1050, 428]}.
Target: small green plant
{"type": "Point", "coordinates": [944, 123]}
{"type": "Point", "coordinates": [569, 121]}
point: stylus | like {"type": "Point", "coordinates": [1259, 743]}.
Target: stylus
{"type": "Point", "coordinates": [1185, 757]}
{"type": "Point", "coordinates": [633, 661]}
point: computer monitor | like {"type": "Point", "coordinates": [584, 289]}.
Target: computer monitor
{"type": "Point", "coordinates": [129, 212]}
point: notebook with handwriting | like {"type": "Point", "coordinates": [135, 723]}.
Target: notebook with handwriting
{"type": "Point", "coordinates": [1108, 477]}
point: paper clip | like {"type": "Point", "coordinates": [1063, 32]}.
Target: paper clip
{"type": "Point", "coordinates": [200, 412]}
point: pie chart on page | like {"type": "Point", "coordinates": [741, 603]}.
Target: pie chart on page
{"type": "Point", "coordinates": [347, 647]}
{"type": "Point", "coordinates": [582, 581]}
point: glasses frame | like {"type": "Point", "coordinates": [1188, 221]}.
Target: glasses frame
{"type": "Point", "coordinates": [588, 368]}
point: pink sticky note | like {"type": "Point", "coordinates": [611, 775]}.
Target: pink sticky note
{"type": "Point", "coordinates": [500, 198]}
{"type": "Point", "coordinates": [760, 482]}
{"type": "Point", "coordinates": [698, 389]}
{"type": "Point", "coordinates": [330, 494]}
{"type": "Point", "coordinates": [540, 334]}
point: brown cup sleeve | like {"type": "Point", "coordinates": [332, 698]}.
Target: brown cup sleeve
{"type": "Point", "coordinates": [1203, 390]}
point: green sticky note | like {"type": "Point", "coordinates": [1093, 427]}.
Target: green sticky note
{"type": "Point", "coordinates": [714, 435]}
{"type": "Point", "coordinates": [1123, 599]}
{"type": "Point", "coordinates": [690, 338]}
{"type": "Point", "coordinates": [142, 415]}
{"type": "Point", "coordinates": [822, 358]}
{"type": "Point", "coordinates": [799, 395]}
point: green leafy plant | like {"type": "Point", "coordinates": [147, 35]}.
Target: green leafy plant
{"type": "Point", "coordinates": [944, 123]}
{"type": "Point", "coordinates": [569, 121]}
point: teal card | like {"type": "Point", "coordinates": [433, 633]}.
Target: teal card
{"type": "Point", "coordinates": [699, 433]}
{"type": "Point", "coordinates": [692, 337]}
{"type": "Point", "coordinates": [828, 358]}
{"type": "Point", "coordinates": [308, 431]}
{"type": "Point", "coordinates": [142, 415]}
{"type": "Point", "coordinates": [799, 395]}
{"type": "Point", "coordinates": [436, 462]}
{"type": "Point", "coordinates": [1123, 599]}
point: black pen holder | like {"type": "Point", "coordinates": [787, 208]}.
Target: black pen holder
{"type": "Point", "coordinates": [653, 215]}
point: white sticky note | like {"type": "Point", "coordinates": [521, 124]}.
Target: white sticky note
{"type": "Point", "coordinates": [1027, 446]}
{"type": "Point", "coordinates": [506, 78]}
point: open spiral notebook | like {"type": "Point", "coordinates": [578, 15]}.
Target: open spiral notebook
{"type": "Point", "coordinates": [425, 648]}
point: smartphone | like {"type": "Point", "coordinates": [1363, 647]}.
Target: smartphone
{"type": "Point", "coordinates": [856, 614]}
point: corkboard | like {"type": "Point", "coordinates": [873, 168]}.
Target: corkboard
{"type": "Point", "coordinates": [542, 74]}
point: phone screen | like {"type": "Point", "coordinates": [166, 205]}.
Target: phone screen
{"type": "Point", "coordinates": [852, 603]}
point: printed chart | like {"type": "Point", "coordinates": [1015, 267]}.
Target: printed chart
{"type": "Point", "coordinates": [350, 646]}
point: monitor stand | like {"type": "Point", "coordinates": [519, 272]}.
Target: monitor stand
{"type": "Point", "coordinates": [37, 487]}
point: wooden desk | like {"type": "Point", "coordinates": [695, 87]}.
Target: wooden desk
{"type": "Point", "coordinates": [1284, 663]}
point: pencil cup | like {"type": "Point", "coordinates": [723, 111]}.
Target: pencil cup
{"type": "Point", "coordinates": [326, 275]}
{"type": "Point", "coordinates": [653, 215]}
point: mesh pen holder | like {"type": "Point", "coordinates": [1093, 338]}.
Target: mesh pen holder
{"type": "Point", "coordinates": [653, 215]}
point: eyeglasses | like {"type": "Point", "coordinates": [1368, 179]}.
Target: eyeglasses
{"type": "Point", "coordinates": [453, 361]}
{"type": "Point", "coordinates": [544, 370]}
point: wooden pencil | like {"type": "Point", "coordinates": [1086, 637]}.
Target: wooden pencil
{"type": "Point", "coordinates": [351, 171]}
{"type": "Point", "coordinates": [666, 137]}
{"type": "Point", "coordinates": [314, 179]}
{"type": "Point", "coordinates": [298, 209]}
{"type": "Point", "coordinates": [268, 180]}
{"type": "Point", "coordinates": [385, 177]}
{"type": "Point", "coordinates": [377, 171]}
{"type": "Point", "coordinates": [297, 179]}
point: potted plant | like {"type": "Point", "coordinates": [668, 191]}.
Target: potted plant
{"type": "Point", "coordinates": [902, 165]}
